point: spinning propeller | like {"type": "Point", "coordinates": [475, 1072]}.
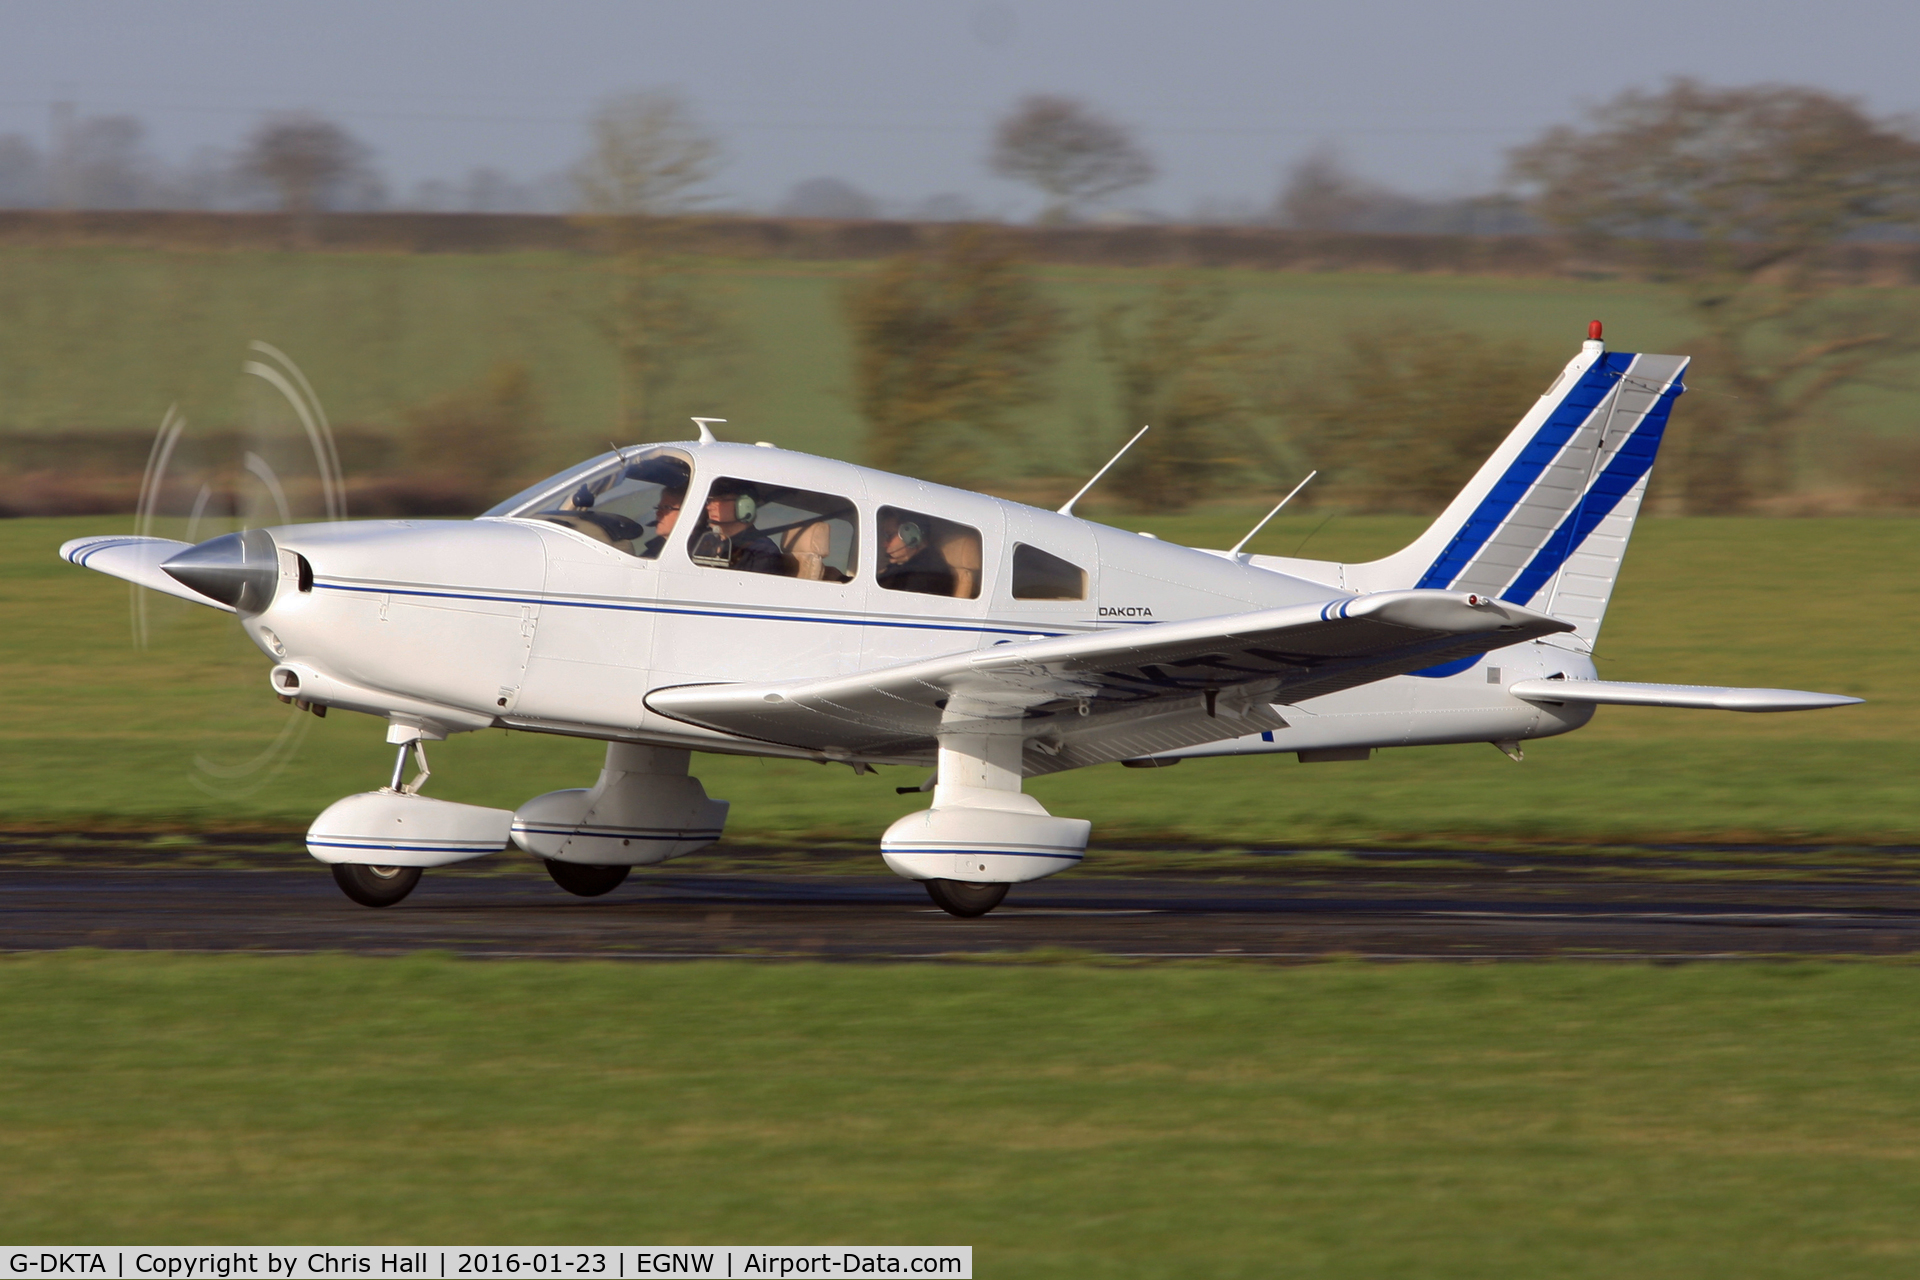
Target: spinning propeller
{"type": "Point", "coordinates": [278, 464]}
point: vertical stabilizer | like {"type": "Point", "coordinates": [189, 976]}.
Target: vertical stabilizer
{"type": "Point", "coordinates": [1545, 522]}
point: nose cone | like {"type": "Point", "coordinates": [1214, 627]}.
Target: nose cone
{"type": "Point", "coordinates": [238, 569]}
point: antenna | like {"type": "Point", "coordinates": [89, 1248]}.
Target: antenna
{"type": "Point", "coordinates": [706, 432]}
{"type": "Point", "coordinates": [1068, 509]}
{"type": "Point", "coordinates": [1271, 514]}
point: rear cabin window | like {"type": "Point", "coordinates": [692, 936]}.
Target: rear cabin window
{"type": "Point", "coordinates": [1040, 575]}
{"type": "Point", "coordinates": [927, 555]}
{"type": "Point", "coordinates": [631, 502]}
{"type": "Point", "coordinates": [750, 527]}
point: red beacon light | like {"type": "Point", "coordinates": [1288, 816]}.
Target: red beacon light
{"type": "Point", "coordinates": [1593, 331]}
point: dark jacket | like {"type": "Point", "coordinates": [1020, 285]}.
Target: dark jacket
{"type": "Point", "coordinates": [927, 573]}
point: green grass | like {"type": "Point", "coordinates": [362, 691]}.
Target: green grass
{"type": "Point", "coordinates": [1565, 1120]}
{"type": "Point", "coordinates": [99, 732]}
{"type": "Point", "coordinates": [103, 337]}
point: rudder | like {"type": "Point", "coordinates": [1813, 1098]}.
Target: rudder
{"type": "Point", "coordinates": [1545, 522]}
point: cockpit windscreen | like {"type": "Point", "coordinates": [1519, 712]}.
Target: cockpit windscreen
{"type": "Point", "coordinates": [630, 500]}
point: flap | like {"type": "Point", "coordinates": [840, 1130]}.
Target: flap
{"type": "Point", "coordinates": [1707, 697]}
{"type": "Point", "coordinates": [137, 560]}
{"type": "Point", "coordinates": [1124, 692]}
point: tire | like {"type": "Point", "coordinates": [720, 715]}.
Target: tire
{"type": "Point", "coordinates": [965, 898]}
{"type": "Point", "coordinates": [584, 881]}
{"type": "Point", "coordinates": [375, 886]}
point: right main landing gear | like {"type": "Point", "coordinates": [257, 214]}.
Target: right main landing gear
{"type": "Point", "coordinates": [965, 898]}
{"type": "Point", "coordinates": [584, 881]}
{"type": "Point", "coordinates": [375, 886]}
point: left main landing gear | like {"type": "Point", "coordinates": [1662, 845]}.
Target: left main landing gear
{"type": "Point", "coordinates": [965, 898]}
{"type": "Point", "coordinates": [584, 881]}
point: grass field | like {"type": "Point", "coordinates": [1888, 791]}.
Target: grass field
{"type": "Point", "coordinates": [101, 733]}
{"type": "Point", "coordinates": [108, 338]}
{"type": "Point", "coordinates": [1418, 1121]}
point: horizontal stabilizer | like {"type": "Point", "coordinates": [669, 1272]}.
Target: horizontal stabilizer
{"type": "Point", "coordinates": [137, 560]}
{"type": "Point", "coordinates": [1708, 697]}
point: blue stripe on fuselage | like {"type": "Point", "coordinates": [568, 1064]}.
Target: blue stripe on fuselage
{"type": "Point", "coordinates": [758, 616]}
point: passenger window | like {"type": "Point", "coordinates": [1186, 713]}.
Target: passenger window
{"type": "Point", "coordinates": [633, 502]}
{"type": "Point", "coordinates": [765, 528]}
{"type": "Point", "coordinates": [924, 553]}
{"type": "Point", "coordinates": [1040, 576]}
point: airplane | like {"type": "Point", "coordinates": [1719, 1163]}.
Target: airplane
{"type": "Point", "coordinates": [734, 598]}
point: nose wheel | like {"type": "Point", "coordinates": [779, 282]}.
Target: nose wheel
{"type": "Point", "coordinates": [965, 898]}
{"type": "Point", "coordinates": [375, 886]}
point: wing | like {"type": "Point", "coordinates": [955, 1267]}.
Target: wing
{"type": "Point", "coordinates": [1710, 697]}
{"type": "Point", "coordinates": [1118, 694]}
{"type": "Point", "coordinates": [137, 560]}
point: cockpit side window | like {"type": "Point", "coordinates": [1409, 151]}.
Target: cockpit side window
{"type": "Point", "coordinates": [633, 502]}
{"type": "Point", "coordinates": [751, 527]}
{"type": "Point", "coordinates": [1041, 575]}
{"type": "Point", "coordinates": [928, 555]}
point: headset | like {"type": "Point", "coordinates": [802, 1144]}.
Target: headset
{"type": "Point", "coordinates": [744, 507]}
{"type": "Point", "coordinates": [911, 534]}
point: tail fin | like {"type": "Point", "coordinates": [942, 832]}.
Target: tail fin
{"type": "Point", "coordinates": [1545, 521]}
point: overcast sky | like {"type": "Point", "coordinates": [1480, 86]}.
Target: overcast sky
{"type": "Point", "coordinates": [898, 97]}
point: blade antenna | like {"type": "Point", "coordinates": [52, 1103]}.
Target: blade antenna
{"type": "Point", "coordinates": [1067, 510]}
{"type": "Point", "coordinates": [706, 431]}
{"type": "Point", "coordinates": [1271, 514]}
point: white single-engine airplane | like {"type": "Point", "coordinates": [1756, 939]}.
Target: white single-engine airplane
{"type": "Point", "coordinates": [705, 596]}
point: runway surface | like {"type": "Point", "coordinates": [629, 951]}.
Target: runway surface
{"type": "Point", "coordinates": [1472, 910]}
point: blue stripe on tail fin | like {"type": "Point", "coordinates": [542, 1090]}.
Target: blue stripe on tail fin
{"type": "Point", "coordinates": [1545, 521]}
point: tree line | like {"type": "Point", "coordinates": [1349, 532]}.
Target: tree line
{"type": "Point", "coordinates": [1734, 199]}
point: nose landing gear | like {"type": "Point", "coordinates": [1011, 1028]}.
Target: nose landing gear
{"type": "Point", "coordinates": [375, 886]}
{"type": "Point", "coordinates": [378, 842]}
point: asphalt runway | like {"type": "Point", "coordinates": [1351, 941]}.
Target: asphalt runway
{"type": "Point", "coordinates": [671, 914]}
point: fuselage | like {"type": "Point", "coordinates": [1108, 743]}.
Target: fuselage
{"type": "Point", "coordinates": [531, 623]}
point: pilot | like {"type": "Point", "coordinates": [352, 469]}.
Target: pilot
{"type": "Point", "coordinates": [910, 560]}
{"type": "Point", "coordinates": [730, 541]}
{"type": "Point", "coordinates": [666, 514]}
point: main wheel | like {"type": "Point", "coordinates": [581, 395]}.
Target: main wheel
{"type": "Point", "coordinates": [584, 881]}
{"type": "Point", "coordinates": [375, 886]}
{"type": "Point", "coordinates": [964, 897]}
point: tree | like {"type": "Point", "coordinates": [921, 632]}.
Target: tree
{"type": "Point", "coordinates": [1322, 194]}
{"type": "Point", "coordinates": [108, 166]}
{"type": "Point", "coordinates": [1182, 369]}
{"type": "Point", "coordinates": [646, 160]}
{"type": "Point", "coordinates": [1075, 155]}
{"type": "Point", "coordinates": [1737, 197]}
{"type": "Point", "coordinates": [827, 198]}
{"type": "Point", "coordinates": [310, 163]}
{"type": "Point", "coordinates": [23, 173]}
{"type": "Point", "coordinates": [947, 345]}
{"type": "Point", "coordinates": [480, 435]}
{"type": "Point", "coordinates": [1404, 411]}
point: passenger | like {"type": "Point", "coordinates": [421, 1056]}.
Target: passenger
{"type": "Point", "coordinates": [666, 514]}
{"type": "Point", "coordinates": [910, 560]}
{"type": "Point", "coordinates": [730, 540]}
